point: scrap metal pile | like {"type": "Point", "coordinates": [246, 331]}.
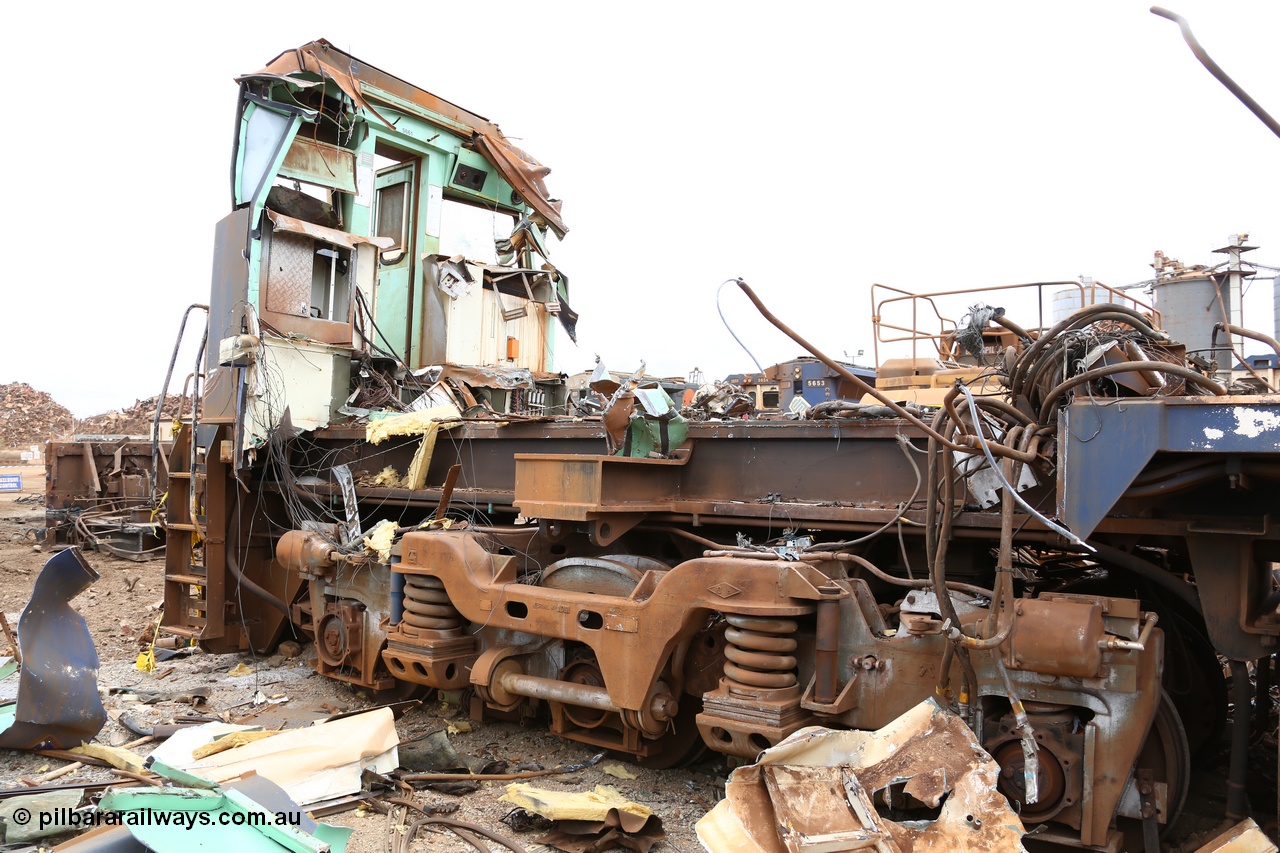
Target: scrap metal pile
{"type": "Point", "coordinates": [135, 420]}
{"type": "Point", "coordinates": [28, 416]}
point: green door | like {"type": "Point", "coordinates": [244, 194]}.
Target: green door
{"type": "Point", "coordinates": [395, 216]}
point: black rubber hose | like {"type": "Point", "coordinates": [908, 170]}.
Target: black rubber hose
{"type": "Point", "coordinates": [1083, 317]}
{"type": "Point", "coordinates": [1051, 399]}
{"type": "Point", "coordinates": [1147, 571]}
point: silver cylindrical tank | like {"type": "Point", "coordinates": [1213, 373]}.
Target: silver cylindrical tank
{"type": "Point", "coordinates": [1190, 306]}
{"type": "Point", "coordinates": [1069, 300]}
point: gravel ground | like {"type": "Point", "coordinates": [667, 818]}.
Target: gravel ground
{"type": "Point", "coordinates": [126, 600]}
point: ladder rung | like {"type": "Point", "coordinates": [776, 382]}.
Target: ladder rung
{"type": "Point", "coordinates": [192, 579]}
{"type": "Point", "coordinates": [179, 525]}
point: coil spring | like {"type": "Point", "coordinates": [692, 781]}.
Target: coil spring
{"type": "Point", "coordinates": [759, 650]}
{"type": "Point", "coordinates": [427, 605]}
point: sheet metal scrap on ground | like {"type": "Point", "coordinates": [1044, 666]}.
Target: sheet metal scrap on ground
{"type": "Point", "coordinates": [1050, 533]}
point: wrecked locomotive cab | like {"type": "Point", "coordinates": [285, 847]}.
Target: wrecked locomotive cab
{"type": "Point", "coordinates": [381, 462]}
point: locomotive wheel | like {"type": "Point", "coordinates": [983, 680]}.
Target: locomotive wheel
{"type": "Point", "coordinates": [1166, 753]}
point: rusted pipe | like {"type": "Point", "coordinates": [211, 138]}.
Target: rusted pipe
{"type": "Point", "coordinates": [1012, 326]}
{"type": "Point", "coordinates": [826, 657]}
{"type": "Point", "coordinates": [1221, 76]}
{"type": "Point", "coordinates": [579, 695]}
{"type": "Point", "coordinates": [1245, 333]}
{"type": "Point", "coordinates": [679, 531]}
{"type": "Point", "coordinates": [1083, 317]}
{"type": "Point", "coordinates": [564, 692]}
{"type": "Point", "coordinates": [913, 584]}
{"type": "Point", "coordinates": [857, 381]}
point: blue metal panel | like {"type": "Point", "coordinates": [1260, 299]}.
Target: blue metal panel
{"type": "Point", "coordinates": [1103, 447]}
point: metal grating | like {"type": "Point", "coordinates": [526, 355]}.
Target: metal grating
{"type": "Point", "coordinates": [289, 274]}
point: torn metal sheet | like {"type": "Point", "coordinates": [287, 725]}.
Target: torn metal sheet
{"type": "Point", "coordinates": [492, 376]}
{"type": "Point", "coordinates": [589, 821]}
{"type": "Point", "coordinates": [312, 764]}
{"type": "Point", "coordinates": [355, 78]}
{"type": "Point", "coordinates": [327, 235]}
{"type": "Point", "coordinates": [815, 788]}
{"type": "Point", "coordinates": [438, 394]}
{"type": "Point", "coordinates": [350, 505]}
{"type": "Point", "coordinates": [58, 704]}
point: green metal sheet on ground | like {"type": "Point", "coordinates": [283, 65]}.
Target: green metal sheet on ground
{"type": "Point", "coordinates": [193, 821]}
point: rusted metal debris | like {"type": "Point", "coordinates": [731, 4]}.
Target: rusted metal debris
{"type": "Point", "coordinates": [831, 790]}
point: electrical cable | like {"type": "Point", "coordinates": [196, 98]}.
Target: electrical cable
{"type": "Point", "coordinates": [720, 311]}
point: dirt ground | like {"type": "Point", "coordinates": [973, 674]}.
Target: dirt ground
{"type": "Point", "coordinates": [117, 614]}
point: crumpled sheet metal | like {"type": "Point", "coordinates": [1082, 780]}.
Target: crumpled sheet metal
{"type": "Point", "coordinates": [58, 704]}
{"type": "Point", "coordinates": [819, 773]}
{"type": "Point", "coordinates": [494, 376]}
{"type": "Point", "coordinates": [521, 171]}
{"type": "Point", "coordinates": [590, 821]}
{"type": "Point", "coordinates": [719, 400]}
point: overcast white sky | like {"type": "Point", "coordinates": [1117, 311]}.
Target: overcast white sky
{"type": "Point", "coordinates": [810, 148]}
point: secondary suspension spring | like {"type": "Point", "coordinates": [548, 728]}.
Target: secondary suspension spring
{"type": "Point", "coordinates": [427, 605]}
{"type": "Point", "coordinates": [760, 653]}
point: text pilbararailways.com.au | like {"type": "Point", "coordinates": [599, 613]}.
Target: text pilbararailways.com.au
{"type": "Point", "coordinates": [88, 818]}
